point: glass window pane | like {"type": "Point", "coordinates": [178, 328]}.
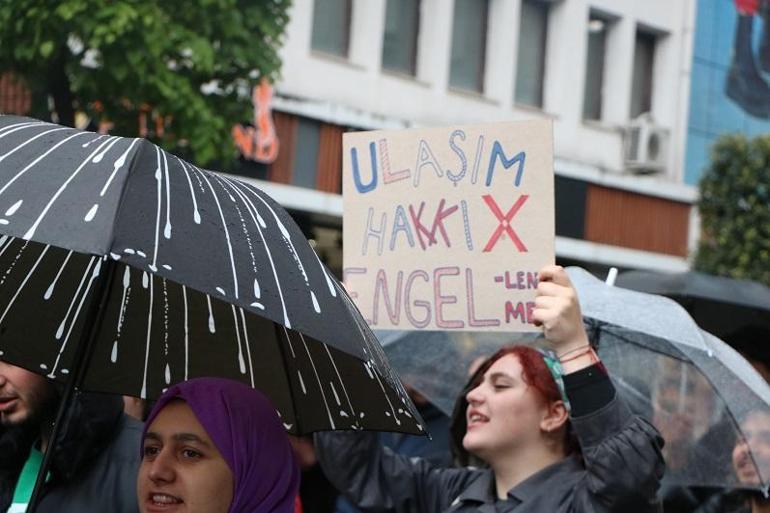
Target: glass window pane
{"type": "Point", "coordinates": [469, 38]}
{"type": "Point", "coordinates": [331, 26]}
{"type": "Point", "coordinates": [305, 169]}
{"type": "Point", "coordinates": [641, 85]}
{"type": "Point", "coordinates": [531, 58]}
{"type": "Point", "coordinates": [399, 45]}
{"type": "Point", "coordinates": [594, 82]}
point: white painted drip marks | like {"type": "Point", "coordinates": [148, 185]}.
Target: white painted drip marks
{"type": "Point", "coordinates": [24, 283]}
{"type": "Point", "coordinates": [112, 141]}
{"type": "Point", "coordinates": [318, 380]}
{"type": "Point", "coordinates": [34, 162]}
{"type": "Point", "coordinates": [316, 306]}
{"type": "Point", "coordinates": [11, 267]}
{"type": "Point", "coordinates": [31, 231]}
{"type": "Point", "coordinates": [186, 334]}
{"type": "Point", "coordinates": [94, 275]}
{"type": "Point", "coordinates": [91, 213]}
{"type": "Point", "coordinates": [221, 291]}
{"type": "Point", "coordinates": [20, 146]}
{"type": "Point", "coordinates": [301, 382]}
{"type": "Point", "coordinates": [145, 279]}
{"type": "Point", "coordinates": [129, 251]}
{"type": "Point", "coordinates": [284, 232]}
{"type": "Point", "coordinates": [339, 378]}
{"type": "Point", "coordinates": [167, 227]}
{"type": "Point", "coordinates": [158, 180]}
{"type": "Point", "coordinates": [248, 346]}
{"type": "Point", "coordinates": [257, 290]}
{"type": "Point", "coordinates": [259, 223]}
{"type": "Point", "coordinates": [196, 214]}
{"type": "Point", "coordinates": [244, 228]}
{"type": "Point", "coordinates": [13, 208]}
{"type": "Point", "coordinates": [50, 289]}
{"type": "Point", "coordinates": [212, 325]}
{"type": "Point", "coordinates": [143, 393]}
{"type": "Point", "coordinates": [141, 253]}
{"type": "Point", "coordinates": [119, 163]}
{"type": "Point", "coordinates": [86, 145]}
{"type": "Point", "coordinates": [60, 330]}
{"type": "Point", "coordinates": [4, 221]}
{"type": "Point", "coordinates": [329, 281]}
{"type": "Point", "coordinates": [241, 361]}
{"type": "Point", "coordinates": [227, 232]}
{"type": "Point", "coordinates": [288, 339]}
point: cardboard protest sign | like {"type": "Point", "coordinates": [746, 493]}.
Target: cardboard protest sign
{"type": "Point", "coordinates": [446, 228]}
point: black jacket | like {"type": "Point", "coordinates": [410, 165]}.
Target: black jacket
{"type": "Point", "coordinates": [619, 471]}
{"type": "Point", "coordinates": [94, 465]}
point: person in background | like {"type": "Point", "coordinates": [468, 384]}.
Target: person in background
{"type": "Point", "coordinates": [94, 460]}
{"type": "Point", "coordinates": [216, 446]}
{"type": "Point", "coordinates": [549, 425]}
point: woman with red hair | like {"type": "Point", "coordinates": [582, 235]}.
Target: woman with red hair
{"type": "Point", "coordinates": [526, 413]}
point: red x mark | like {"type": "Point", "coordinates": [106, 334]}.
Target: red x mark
{"type": "Point", "coordinates": [505, 221]}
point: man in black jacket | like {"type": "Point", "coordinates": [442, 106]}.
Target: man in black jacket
{"type": "Point", "coordinates": [95, 458]}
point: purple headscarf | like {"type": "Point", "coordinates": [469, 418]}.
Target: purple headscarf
{"type": "Point", "coordinates": [245, 428]}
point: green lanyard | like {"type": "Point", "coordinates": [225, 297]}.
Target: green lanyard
{"type": "Point", "coordinates": [26, 482]}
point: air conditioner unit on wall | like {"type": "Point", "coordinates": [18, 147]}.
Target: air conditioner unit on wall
{"type": "Point", "coordinates": [645, 146]}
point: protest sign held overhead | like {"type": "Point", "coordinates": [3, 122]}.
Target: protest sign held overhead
{"type": "Point", "coordinates": [446, 228]}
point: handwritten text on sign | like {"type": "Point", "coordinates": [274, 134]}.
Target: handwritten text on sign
{"type": "Point", "coordinates": [446, 228]}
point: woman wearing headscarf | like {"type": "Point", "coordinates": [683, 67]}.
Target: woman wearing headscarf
{"type": "Point", "coordinates": [549, 426]}
{"type": "Point", "coordinates": [216, 446]}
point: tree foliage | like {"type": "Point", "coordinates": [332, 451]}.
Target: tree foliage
{"type": "Point", "coordinates": [734, 207]}
{"type": "Point", "coordinates": [191, 63]}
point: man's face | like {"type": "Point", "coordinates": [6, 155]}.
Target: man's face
{"type": "Point", "coordinates": [23, 395]}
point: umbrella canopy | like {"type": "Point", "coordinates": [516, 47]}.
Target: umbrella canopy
{"type": "Point", "coordinates": [719, 305]}
{"type": "Point", "coordinates": [189, 273]}
{"type": "Point", "coordinates": [696, 389]}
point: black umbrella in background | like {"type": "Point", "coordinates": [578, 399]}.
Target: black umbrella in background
{"type": "Point", "coordinates": [719, 305]}
{"type": "Point", "coordinates": [125, 269]}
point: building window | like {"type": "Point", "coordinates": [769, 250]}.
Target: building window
{"type": "Point", "coordinates": [469, 41]}
{"type": "Point", "coordinates": [533, 29]}
{"type": "Point", "coordinates": [399, 45]}
{"type": "Point", "coordinates": [641, 85]}
{"type": "Point", "coordinates": [594, 82]}
{"type": "Point", "coordinates": [331, 26]}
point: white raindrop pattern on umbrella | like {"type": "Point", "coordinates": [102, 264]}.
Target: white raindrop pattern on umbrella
{"type": "Point", "coordinates": [244, 199]}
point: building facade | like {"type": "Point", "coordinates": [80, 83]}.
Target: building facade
{"type": "Point", "coordinates": [730, 77]}
{"type": "Point", "coordinates": [612, 75]}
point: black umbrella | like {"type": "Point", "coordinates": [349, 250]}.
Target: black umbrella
{"type": "Point", "coordinates": [125, 269]}
{"type": "Point", "coordinates": [718, 304]}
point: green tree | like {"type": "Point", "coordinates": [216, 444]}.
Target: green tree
{"type": "Point", "coordinates": [734, 207]}
{"type": "Point", "coordinates": [191, 62]}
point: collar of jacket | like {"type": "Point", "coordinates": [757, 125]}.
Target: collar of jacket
{"type": "Point", "coordinates": [482, 489]}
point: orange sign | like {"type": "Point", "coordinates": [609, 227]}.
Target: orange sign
{"type": "Point", "coordinates": [259, 142]}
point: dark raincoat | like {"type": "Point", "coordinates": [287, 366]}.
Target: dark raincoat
{"type": "Point", "coordinates": [94, 463]}
{"type": "Point", "coordinates": [619, 471]}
